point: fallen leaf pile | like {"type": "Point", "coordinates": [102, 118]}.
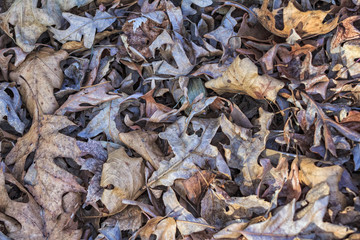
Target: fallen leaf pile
{"type": "Point", "coordinates": [191, 119]}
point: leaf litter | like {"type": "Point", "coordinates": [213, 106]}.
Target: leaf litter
{"type": "Point", "coordinates": [192, 119]}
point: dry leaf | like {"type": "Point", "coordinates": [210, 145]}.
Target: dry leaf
{"type": "Point", "coordinates": [83, 27]}
{"type": "Point", "coordinates": [191, 151]}
{"type": "Point", "coordinates": [46, 181]}
{"type": "Point", "coordinates": [311, 175]}
{"type": "Point", "coordinates": [104, 121]}
{"type": "Point", "coordinates": [144, 144]}
{"type": "Point", "coordinates": [30, 22]}
{"type": "Point", "coordinates": [122, 177]}
{"type": "Point", "coordinates": [88, 98]}
{"type": "Point", "coordinates": [10, 105]}
{"type": "Point", "coordinates": [282, 225]}
{"type": "Point", "coordinates": [244, 150]}
{"type": "Point", "coordinates": [242, 77]}
{"type": "Point", "coordinates": [218, 210]}
{"type": "Point", "coordinates": [42, 73]}
{"type": "Point", "coordinates": [305, 24]}
{"type": "Point", "coordinates": [185, 221]}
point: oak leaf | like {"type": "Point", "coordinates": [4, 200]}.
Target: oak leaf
{"type": "Point", "coordinates": [242, 77]}
{"type": "Point", "coordinates": [37, 76]}
{"type": "Point", "coordinates": [125, 175]}
{"type": "Point", "coordinates": [29, 21]}
{"type": "Point", "coordinates": [45, 180]}
{"type": "Point", "coordinates": [305, 24]}
{"type": "Point", "coordinates": [191, 151]}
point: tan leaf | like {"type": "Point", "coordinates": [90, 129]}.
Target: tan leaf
{"type": "Point", "coordinates": [191, 151]}
{"type": "Point", "coordinates": [83, 27]}
{"type": "Point", "coordinates": [27, 214]}
{"type": "Point", "coordinates": [185, 221]}
{"type": "Point", "coordinates": [305, 24]}
{"type": "Point", "coordinates": [122, 177]}
{"type": "Point", "coordinates": [311, 175]}
{"type": "Point", "coordinates": [244, 150]}
{"type": "Point", "coordinates": [29, 22]}
{"type": "Point", "coordinates": [242, 77]}
{"type": "Point", "coordinates": [283, 226]}
{"type": "Point", "coordinates": [46, 181]}
{"type": "Point", "coordinates": [90, 97]}
{"type": "Point", "coordinates": [144, 144]}
{"type": "Point", "coordinates": [42, 73]}
{"type": "Point", "coordinates": [217, 209]}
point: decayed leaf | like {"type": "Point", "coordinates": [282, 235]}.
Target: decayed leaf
{"type": "Point", "coordinates": [27, 214]}
{"type": "Point", "coordinates": [242, 77]}
{"type": "Point", "coordinates": [42, 73]}
{"type": "Point", "coordinates": [345, 31]}
{"type": "Point", "coordinates": [122, 177]}
{"type": "Point", "coordinates": [5, 57]}
{"type": "Point", "coordinates": [244, 150]}
{"type": "Point", "coordinates": [163, 228]}
{"type": "Point", "coordinates": [96, 156]}
{"type": "Point", "coordinates": [191, 151]}
{"type": "Point", "coordinates": [185, 221]}
{"type": "Point", "coordinates": [194, 187]}
{"type": "Point", "coordinates": [314, 115]}
{"type": "Point", "coordinates": [104, 121]}
{"type": "Point", "coordinates": [218, 209]}
{"type": "Point", "coordinates": [144, 144]}
{"type": "Point", "coordinates": [46, 181]}
{"type": "Point", "coordinates": [10, 106]}
{"type": "Point", "coordinates": [183, 63]}
{"type": "Point", "coordinates": [188, 10]}
{"type": "Point", "coordinates": [90, 97]}
{"type": "Point", "coordinates": [30, 22]}
{"type": "Point", "coordinates": [349, 55]}
{"type": "Point", "coordinates": [282, 225]}
{"type": "Point", "coordinates": [83, 27]}
{"type": "Point", "coordinates": [305, 24]}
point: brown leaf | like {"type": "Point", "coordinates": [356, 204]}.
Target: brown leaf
{"type": "Point", "coordinates": [195, 186]}
{"type": "Point", "coordinates": [306, 24]}
{"type": "Point", "coordinates": [244, 150]}
{"type": "Point", "coordinates": [28, 221]}
{"type": "Point", "coordinates": [5, 60]}
{"type": "Point", "coordinates": [144, 144]}
{"type": "Point", "coordinates": [282, 225]}
{"type": "Point", "coordinates": [185, 221]}
{"type": "Point", "coordinates": [29, 21]}
{"type": "Point", "coordinates": [242, 77]}
{"type": "Point", "coordinates": [311, 175]}
{"type": "Point", "coordinates": [88, 98]}
{"type": "Point", "coordinates": [345, 31]}
{"type": "Point", "coordinates": [47, 181]}
{"type": "Point", "coordinates": [42, 73]}
{"type": "Point", "coordinates": [314, 115]}
{"type": "Point", "coordinates": [218, 210]}
{"type": "Point", "coordinates": [122, 177]}
{"type": "Point", "coordinates": [152, 106]}
{"type": "Point", "coordinates": [191, 151]}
